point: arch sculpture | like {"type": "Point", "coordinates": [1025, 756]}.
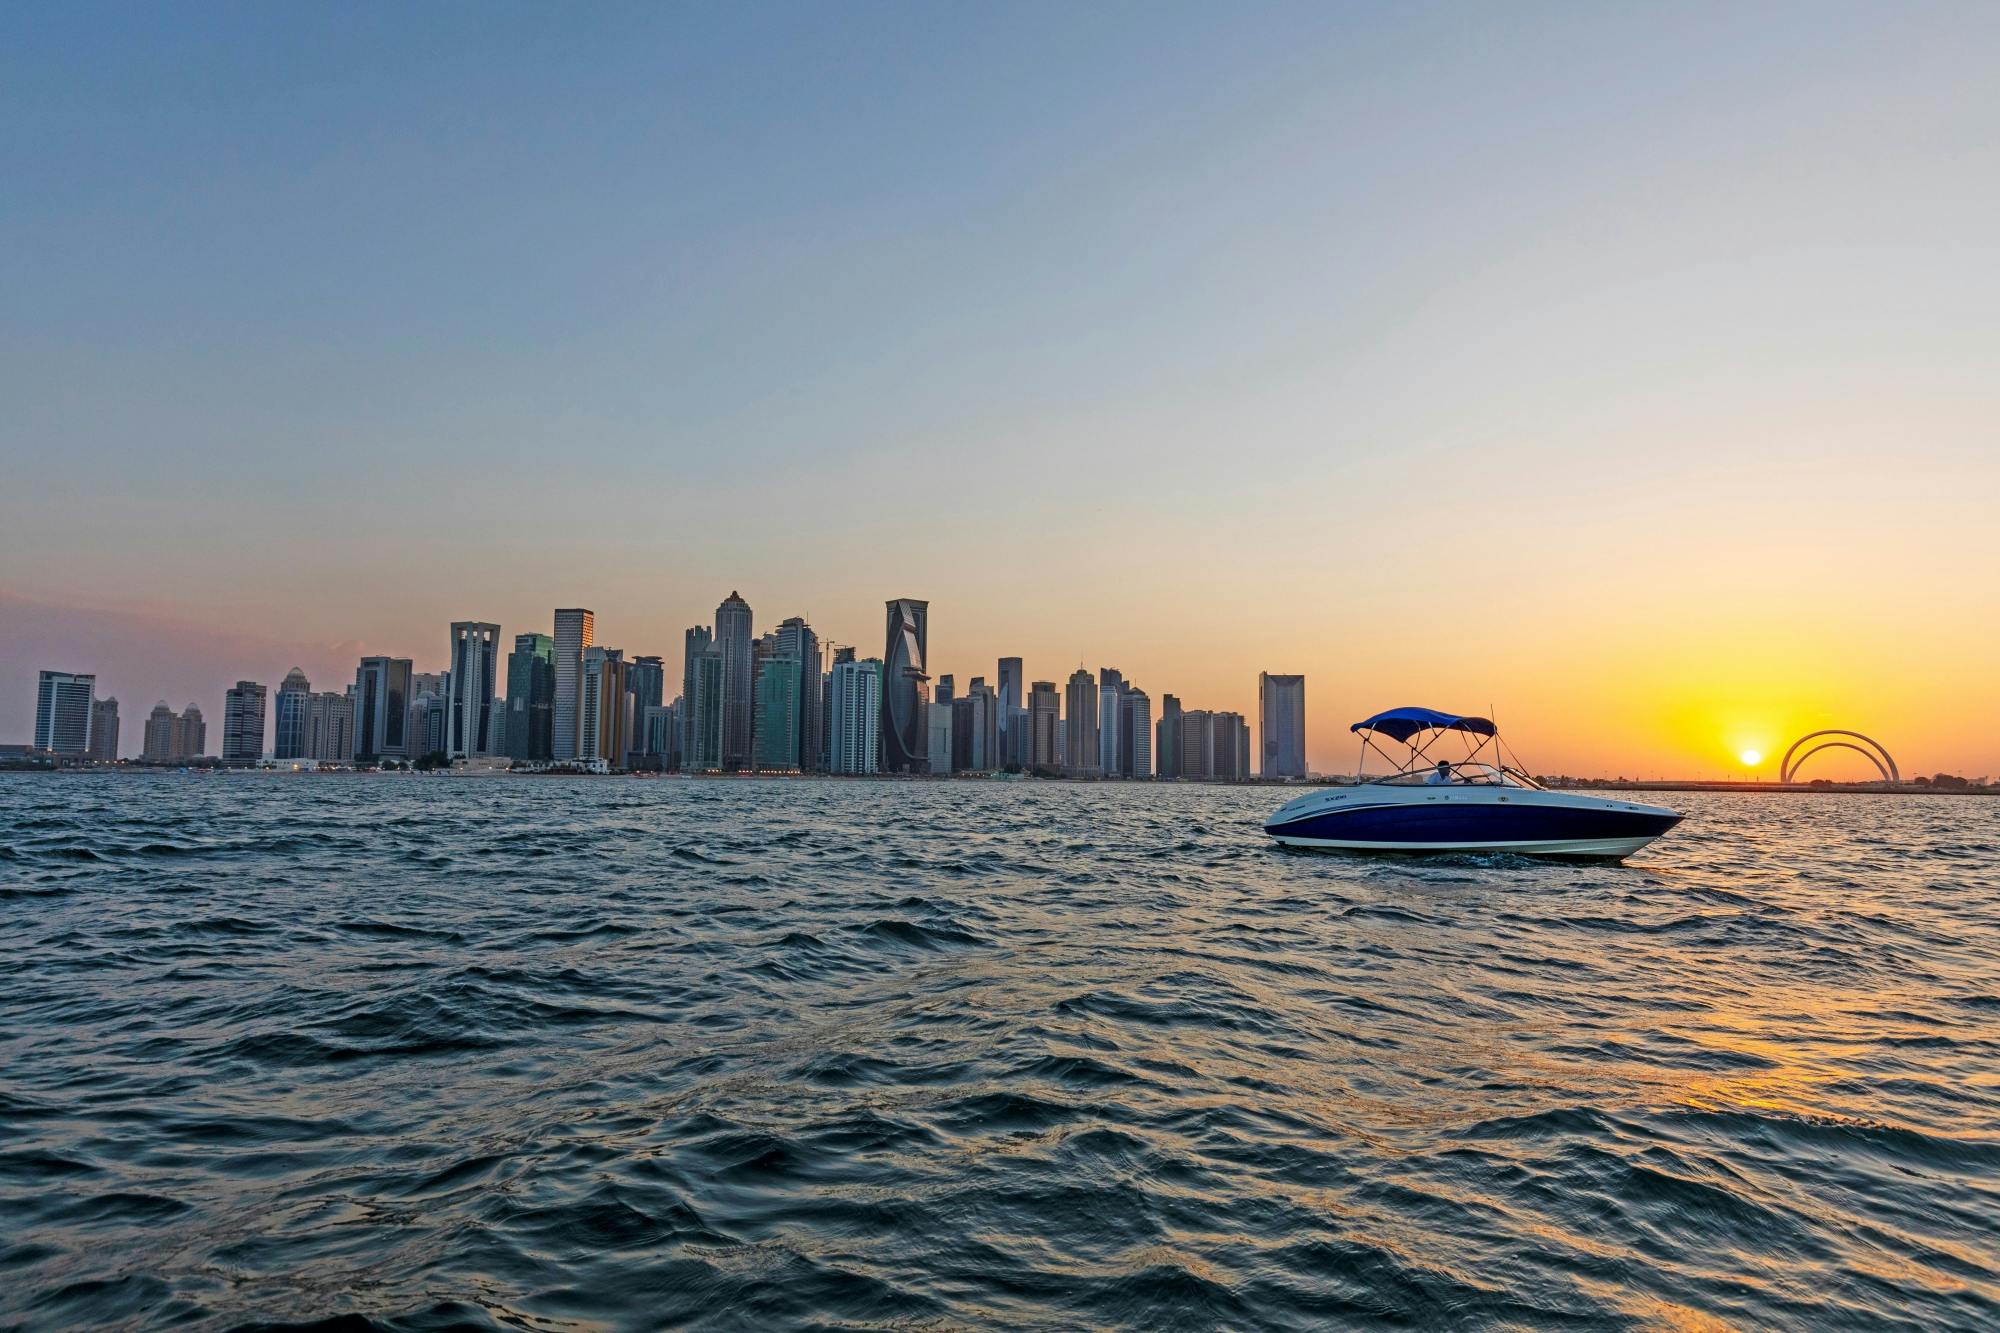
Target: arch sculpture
{"type": "Point", "coordinates": [1869, 748]}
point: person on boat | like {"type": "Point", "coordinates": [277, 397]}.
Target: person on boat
{"type": "Point", "coordinates": [1440, 776]}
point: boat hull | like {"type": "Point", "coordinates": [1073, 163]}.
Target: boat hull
{"type": "Point", "coordinates": [1469, 819]}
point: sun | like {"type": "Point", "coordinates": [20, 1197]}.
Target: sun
{"type": "Point", "coordinates": [1751, 758]}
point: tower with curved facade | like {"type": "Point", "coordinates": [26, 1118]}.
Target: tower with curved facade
{"type": "Point", "coordinates": [906, 689]}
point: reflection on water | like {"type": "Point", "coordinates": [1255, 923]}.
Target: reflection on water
{"type": "Point", "coordinates": [541, 1053]}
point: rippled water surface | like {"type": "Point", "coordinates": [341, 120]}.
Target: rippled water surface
{"type": "Point", "coordinates": [555, 1053]}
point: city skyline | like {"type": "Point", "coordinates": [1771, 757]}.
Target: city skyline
{"type": "Point", "coordinates": [1626, 373]}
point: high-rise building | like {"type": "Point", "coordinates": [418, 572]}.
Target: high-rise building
{"type": "Point", "coordinates": [288, 735]}
{"type": "Point", "coordinates": [531, 699]}
{"type": "Point", "coordinates": [1231, 747]}
{"type": "Point", "coordinates": [1081, 755]}
{"type": "Point", "coordinates": [1044, 728]}
{"type": "Point", "coordinates": [732, 638]}
{"type": "Point", "coordinates": [1281, 725]}
{"type": "Point", "coordinates": [857, 717]}
{"type": "Point", "coordinates": [775, 748]}
{"type": "Point", "coordinates": [946, 691]}
{"type": "Point", "coordinates": [703, 704]}
{"type": "Point", "coordinates": [104, 731]}
{"type": "Point", "coordinates": [695, 643]}
{"type": "Point", "coordinates": [243, 723]}
{"type": "Point", "coordinates": [1110, 685]}
{"type": "Point", "coordinates": [1167, 752]}
{"type": "Point", "coordinates": [475, 663]}
{"type": "Point", "coordinates": [1135, 733]}
{"type": "Point", "coordinates": [576, 630]}
{"type": "Point", "coordinates": [1197, 744]}
{"type": "Point", "coordinates": [382, 709]}
{"type": "Point", "coordinates": [646, 682]}
{"type": "Point", "coordinates": [906, 688]}
{"type": "Point", "coordinates": [329, 728]}
{"type": "Point", "coordinates": [836, 656]}
{"type": "Point", "coordinates": [174, 738]}
{"type": "Point", "coordinates": [975, 729]}
{"type": "Point", "coordinates": [939, 750]}
{"type": "Point", "coordinates": [1013, 729]}
{"type": "Point", "coordinates": [603, 707]}
{"type": "Point", "coordinates": [796, 638]}
{"type": "Point", "coordinates": [430, 723]}
{"type": "Point", "coordinates": [62, 712]}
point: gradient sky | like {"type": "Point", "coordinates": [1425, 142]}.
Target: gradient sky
{"type": "Point", "coordinates": [1633, 371]}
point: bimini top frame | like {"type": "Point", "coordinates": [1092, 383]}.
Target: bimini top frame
{"type": "Point", "coordinates": [1418, 729]}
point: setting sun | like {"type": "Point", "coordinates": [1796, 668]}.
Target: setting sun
{"type": "Point", "coordinates": [1751, 758]}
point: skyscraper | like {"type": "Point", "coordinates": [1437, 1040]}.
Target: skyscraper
{"type": "Point", "coordinates": [1281, 725]}
{"type": "Point", "coordinates": [796, 638]}
{"type": "Point", "coordinates": [174, 739]}
{"type": "Point", "coordinates": [382, 709]}
{"type": "Point", "coordinates": [62, 712]}
{"type": "Point", "coordinates": [732, 639]}
{"type": "Point", "coordinates": [1080, 736]}
{"type": "Point", "coordinates": [288, 740]}
{"type": "Point", "coordinates": [576, 630]}
{"type": "Point", "coordinates": [1044, 728]}
{"type": "Point", "coordinates": [329, 728]}
{"type": "Point", "coordinates": [646, 682]}
{"type": "Point", "coordinates": [946, 691]}
{"type": "Point", "coordinates": [776, 727]}
{"type": "Point", "coordinates": [1231, 747]}
{"type": "Point", "coordinates": [857, 717]}
{"type": "Point", "coordinates": [475, 661]}
{"type": "Point", "coordinates": [603, 704]}
{"type": "Point", "coordinates": [1110, 685]}
{"type": "Point", "coordinates": [243, 723]}
{"type": "Point", "coordinates": [695, 643]}
{"type": "Point", "coordinates": [531, 699]}
{"type": "Point", "coordinates": [906, 688]}
{"type": "Point", "coordinates": [940, 737]}
{"type": "Point", "coordinates": [1013, 732]}
{"type": "Point", "coordinates": [104, 730]}
{"type": "Point", "coordinates": [975, 729]}
{"type": "Point", "coordinates": [703, 703]}
{"type": "Point", "coordinates": [1167, 753]}
{"type": "Point", "coordinates": [1135, 733]}
{"type": "Point", "coordinates": [1197, 744]}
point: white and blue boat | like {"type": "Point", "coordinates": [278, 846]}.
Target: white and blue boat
{"type": "Point", "coordinates": [1475, 803]}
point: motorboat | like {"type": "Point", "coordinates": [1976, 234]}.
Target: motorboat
{"type": "Point", "coordinates": [1477, 802]}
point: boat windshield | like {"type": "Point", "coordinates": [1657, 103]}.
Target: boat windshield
{"type": "Point", "coordinates": [1460, 775]}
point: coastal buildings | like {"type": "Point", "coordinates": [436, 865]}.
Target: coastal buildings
{"type": "Point", "coordinates": [1197, 745]}
{"type": "Point", "coordinates": [243, 723]}
{"type": "Point", "coordinates": [381, 709]}
{"type": "Point", "coordinates": [63, 711]}
{"type": "Point", "coordinates": [602, 707]}
{"type": "Point", "coordinates": [702, 725]}
{"type": "Point", "coordinates": [775, 729]}
{"type": "Point", "coordinates": [174, 738]}
{"type": "Point", "coordinates": [329, 727]}
{"type": "Point", "coordinates": [732, 641]}
{"type": "Point", "coordinates": [905, 740]}
{"type": "Point", "coordinates": [796, 639]}
{"type": "Point", "coordinates": [1013, 717]}
{"type": "Point", "coordinates": [531, 698]}
{"type": "Point", "coordinates": [1135, 733]}
{"type": "Point", "coordinates": [1110, 686]}
{"type": "Point", "coordinates": [975, 730]}
{"type": "Point", "coordinates": [1044, 753]}
{"type": "Point", "coordinates": [646, 682]}
{"type": "Point", "coordinates": [1281, 725]}
{"type": "Point", "coordinates": [475, 654]}
{"type": "Point", "coordinates": [104, 730]}
{"type": "Point", "coordinates": [576, 630]}
{"type": "Point", "coordinates": [939, 749]}
{"type": "Point", "coordinates": [695, 644]}
{"type": "Point", "coordinates": [856, 717]}
{"type": "Point", "coordinates": [1230, 749]}
{"type": "Point", "coordinates": [1167, 735]}
{"type": "Point", "coordinates": [1081, 753]}
{"type": "Point", "coordinates": [288, 739]}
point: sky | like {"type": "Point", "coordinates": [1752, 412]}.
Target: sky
{"type": "Point", "coordinates": [1632, 372]}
